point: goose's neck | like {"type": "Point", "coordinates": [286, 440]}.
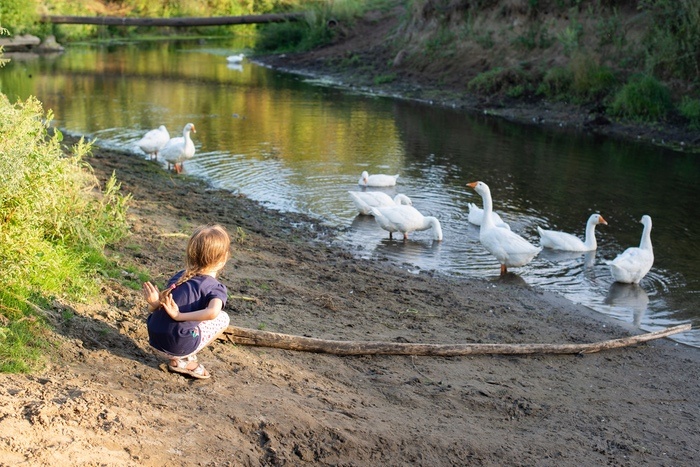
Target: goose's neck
{"type": "Point", "coordinates": [487, 220]}
{"type": "Point", "coordinates": [432, 222]}
{"type": "Point", "coordinates": [645, 244]}
{"type": "Point", "coordinates": [590, 240]}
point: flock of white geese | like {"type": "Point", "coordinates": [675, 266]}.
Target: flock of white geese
{"type": "Point", "coordinates": [510, 249]}
{"type": "Point", "coordinates": [398, 215]}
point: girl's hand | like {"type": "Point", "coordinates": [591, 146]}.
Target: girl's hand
{"type": "Point", "coordinates": [151, 294]}
{"type": "Point", "coordinates": [171, 307]}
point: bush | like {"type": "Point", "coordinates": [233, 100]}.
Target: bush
{"type": "Point", "coordinates": [280, 37]}
{"type": "Point", "coordinates": [672, 45]}
{"type": "Point", "coordinates": [500, 81]}
{"type": "Point", "coordinates": [644, 98]}
{"type": "Point", "coordinates": [18, 16]}
{"type": "Point", "coordinates": [590, 79]}
{"type": "Point", "coordinates": [556, 83]}
{"type": "Point", "coordinates": [690, 109]}
{"type": "Point", "coordinates": [54, 224]}
{"type": "Point", "coordinates": [314, 30]}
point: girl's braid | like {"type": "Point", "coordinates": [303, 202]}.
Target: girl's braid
{"type": "Point", "coordinates": [187, 275]}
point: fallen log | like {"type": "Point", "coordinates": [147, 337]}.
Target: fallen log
{"type": "Point", "coordinates": [172, 22]}
{"type": "Point", "coordinates": [244, 336]}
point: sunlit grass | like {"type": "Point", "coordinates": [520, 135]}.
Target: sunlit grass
{"type": "Point", "coordinates": [55, 221]}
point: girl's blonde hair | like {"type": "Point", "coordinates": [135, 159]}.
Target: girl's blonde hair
{"type": "Point", "coordinates": [209, 246]}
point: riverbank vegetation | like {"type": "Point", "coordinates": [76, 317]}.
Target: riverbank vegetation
{"type": "Point", "coordinates": [54, 224]}
{"type": "Point", "coordinates": [637, 61]}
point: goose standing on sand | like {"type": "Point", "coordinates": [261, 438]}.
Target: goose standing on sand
{"type": "Point", "coordinates": [476, 214]}
{"type": "Point", "coordinates": [377, 180]}
{"type": "Point", "coordinates": [509, 248]}
{"type": "Point", "coordinates": [153, 141]}
{"type": "Point", "coordinates": [566, 242]}
{"type": "Point", "coordinates": [365, 200]}
{"type": "Point", "coordinates": [405, 219]}
{"type": "Point", "coordinates": [177, 150]}
{"type": "Point", "coordinates": [634, 263]}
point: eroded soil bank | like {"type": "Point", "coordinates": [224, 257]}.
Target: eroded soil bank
{"type": "Point", "coordinates": [386, 54]}
{"type": "Point", "coordinates": [106, 400]}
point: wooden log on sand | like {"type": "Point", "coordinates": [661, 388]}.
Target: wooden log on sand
{"type": "Point", "coordinates": [172, 22]}
{"type": "Point", "coordinates": [244, 336]}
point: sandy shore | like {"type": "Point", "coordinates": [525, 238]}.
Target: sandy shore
{"type": "Point", "coordinates": [106, 400]}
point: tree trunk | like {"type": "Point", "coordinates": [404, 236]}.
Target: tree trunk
{"type": "Point", "coordinates": [254, 337]}
{"type": "Point", "coordinates": [172, 22]}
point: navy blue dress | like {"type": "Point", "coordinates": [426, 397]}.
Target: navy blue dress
{"type": "Point", "coordinates": [181, 338]}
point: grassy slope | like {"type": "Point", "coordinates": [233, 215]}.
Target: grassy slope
{"type": "Point", "coordinates": [507, 58]}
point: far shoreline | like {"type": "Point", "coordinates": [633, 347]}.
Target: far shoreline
{"type": "Point", "coordinates": [550, 116]}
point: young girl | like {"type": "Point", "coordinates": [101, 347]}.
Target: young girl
{"type": "Point", "coordinates": [188, 315]}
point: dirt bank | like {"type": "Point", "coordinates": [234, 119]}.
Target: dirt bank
{"type": "Point", "coordinates": [386, 54]}
{"type": "Point", "coordinates": [106, 400]}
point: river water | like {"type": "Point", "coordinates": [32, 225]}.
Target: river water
{"type": "Point", "coordinates": [298, 144]}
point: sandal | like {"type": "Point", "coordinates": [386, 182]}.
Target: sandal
{"type": "Point", "coordinates": [180, 366]}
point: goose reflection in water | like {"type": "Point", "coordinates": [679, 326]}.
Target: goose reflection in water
{"type": "Point", "coordinates": [365, 224]}
{"type": "Point", "coordinates": [557, 256]}
{"type": "Point", "coordinates": [423, 252]}
{"type": "Point", "coordinates": [629, 296]}
{"type": "Point", "coordinates": [571, 263]}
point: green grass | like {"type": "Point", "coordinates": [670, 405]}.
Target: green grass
{"type": "Point", "coordinates": [513, 82]}
{"type": "Point", "coordinates": [55, 221]}
{"type": "Point", "coordinates": [590, 80]}
{"type": "Point", "coordinates": [384, 79]}
{"type": "Point", "coordinates": [316, 29]}
{"type": "Point", "coordinates": [643, 99]}
{"type": "Point", "coordinates": [556, 83]}
{"type": "Point", "coordinates": [690, 109]}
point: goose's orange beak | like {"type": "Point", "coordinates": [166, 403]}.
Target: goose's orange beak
{"type": "Point", "coordinates": [472, 184]}
{"type": "Point", "coordinates": [602, 221]}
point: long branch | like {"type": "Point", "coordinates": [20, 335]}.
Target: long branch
{"type": "Point", "coordinates": [258, 338]}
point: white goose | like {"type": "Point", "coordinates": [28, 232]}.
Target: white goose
{"type": "Point", "coordinates": [177, 150]}
{"type": "Point", "coordinates": [377, 180]}
{"type": "Point", "coordinates": [365, 200]}
{"type": "Point", "coordinates": [153, 141]}
{"type": "Point", "coordinates": [566, 242]}
{"type": "Point", "coordinates": [634, 263]}
{"type": "Point", "coordinates": [509, 248]}
{"type": "Point", "coordinates": [405, 219]}
{"type": "Point", "coordinates": [476, 214]}
{"type": "Point", "coordinates": [236, 58]}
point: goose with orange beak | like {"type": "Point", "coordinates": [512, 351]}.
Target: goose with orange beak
{"type": "Point", "coordinates": [509, 248]}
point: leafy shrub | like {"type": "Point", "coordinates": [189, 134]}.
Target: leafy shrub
{"type": "Point", "coordinates": [509, 81]}
{"type": "Point", "coordinates": [590, 79]}
{"type": "Point", "coordinates": [644, 98]}
{"type": "Point", "coordinates": [313, 31]}
{"type": "Point", "coordinates": [556, 83]}
{"type": "Point", "coordinates": [569, 38]}
{"type": "Point", "coordinates": [280, 37]}
{"type": "Point", "coordinates": [672, 45]}
{"type": "Point", "coordinates": [54, 224]}
{"type": "Point", "coordinates": [18, 15]}
{"type": "Point", "coordinates": [690, 109]}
